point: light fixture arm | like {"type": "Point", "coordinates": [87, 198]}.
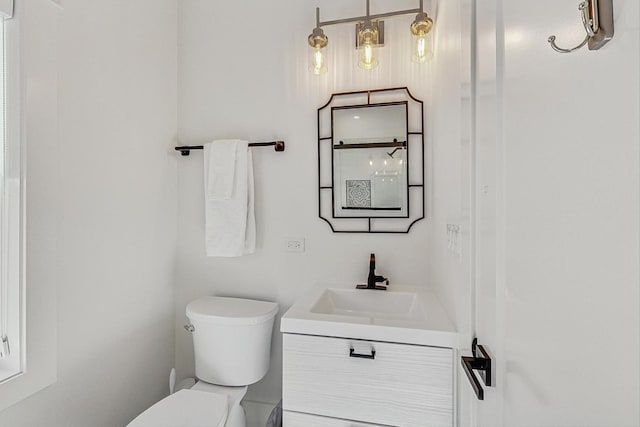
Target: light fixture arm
{"type": "Point", "coordinates": [366, 17]}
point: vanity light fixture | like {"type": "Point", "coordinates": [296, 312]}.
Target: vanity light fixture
{"type": "Point", "coordinates": [370, 36]}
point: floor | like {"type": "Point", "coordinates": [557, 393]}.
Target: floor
{"type": "Point", "coordinates": [257, 412]}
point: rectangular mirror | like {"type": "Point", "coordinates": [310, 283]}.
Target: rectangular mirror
{"type": "Point", "coordinates": [369, 156]}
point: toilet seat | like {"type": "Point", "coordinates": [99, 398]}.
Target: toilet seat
{"type": "Point", "coordinates": [234, 394]}
{"type": "Point", "coordinates": [186, 408]}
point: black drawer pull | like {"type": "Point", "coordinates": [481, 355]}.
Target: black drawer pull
{"type": "Point", "coordinates": [352, 353]}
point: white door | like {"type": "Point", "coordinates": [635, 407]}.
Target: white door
{"type": "Point", "coordinates": [557, 217]}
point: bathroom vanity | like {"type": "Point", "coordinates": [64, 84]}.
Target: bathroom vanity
{"type": "Point", "coordinates": [366, 358]}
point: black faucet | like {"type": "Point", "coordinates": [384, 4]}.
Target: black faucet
{"type": "Point", "coordinates": [372, 280]}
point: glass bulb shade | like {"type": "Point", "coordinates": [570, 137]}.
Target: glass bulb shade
{"type": "Point", "coordinates": [422, 49]}
{"type": "Point", "coordinates": [367, 57]}
{"type": "Point", "coordinates": [318, 61]}
{"type": "Point", "coordinates": [366, 43]}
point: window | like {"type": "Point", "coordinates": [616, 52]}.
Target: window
{"type": "Point", "coordinates": [30, 67]}
{"type": "Point", "coordinates": [11, 313]}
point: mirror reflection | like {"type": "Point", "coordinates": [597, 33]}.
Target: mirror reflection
{"type": "Point", "coordinates": [370, 165]}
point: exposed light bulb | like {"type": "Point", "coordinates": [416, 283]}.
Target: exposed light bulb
{"type": "Point", "coordinates": [367, 41]}
{"type": "Point", "coordinates": [421, 51]}
{"type": "Point", "coordinates": [368, 59]}
{"type": "Point", "coordinates": [318, 61]}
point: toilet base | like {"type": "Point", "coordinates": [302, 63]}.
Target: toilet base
{"type": "Point", "coordinates": [236, 416]}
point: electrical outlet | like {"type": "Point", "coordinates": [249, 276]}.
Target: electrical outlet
{"type": "Point", "coordinates": [294, 244]}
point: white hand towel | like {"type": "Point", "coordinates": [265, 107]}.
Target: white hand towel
{"type": "Point", "coordinates": [230, 223]}
{"type": "Point", "coordinates": [219, 168]}
{"type": "Point", "coordinates": [250, 235]}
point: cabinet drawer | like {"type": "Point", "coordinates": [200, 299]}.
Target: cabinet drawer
{"type": "Point", "coordinates": [401, 385]}
{"type": "Point", "coordinates": [295, 419]}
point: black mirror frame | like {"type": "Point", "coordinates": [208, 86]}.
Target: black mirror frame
{"type": "Point", "coordinates": [369, 224]}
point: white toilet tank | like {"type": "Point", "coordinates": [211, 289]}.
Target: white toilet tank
{"type": "Point", "coordinates": [231, 339]}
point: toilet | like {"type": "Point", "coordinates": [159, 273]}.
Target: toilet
{"type": "Point", "coordinates": [232, 346]}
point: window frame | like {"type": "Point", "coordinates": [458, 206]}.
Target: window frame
{"type": "Point", "coordinates": [11, 207]}
{"type": "Point", "coordinates": [31, 41]}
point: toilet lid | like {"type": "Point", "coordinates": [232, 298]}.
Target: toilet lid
{"type": "Point", "coordinates": [186, 408]}
{"type": "Point", "coordinates": [231, 311]}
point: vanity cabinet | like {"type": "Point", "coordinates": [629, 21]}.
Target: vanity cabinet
{"type": "Point", "coordinates": [297, 419]}
{"type": "Point", "coordinates": [346, 382]}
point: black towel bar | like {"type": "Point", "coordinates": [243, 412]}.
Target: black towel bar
{"type": "Point", "coordinates": [186, 149]}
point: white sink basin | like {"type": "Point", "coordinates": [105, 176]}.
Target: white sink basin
{"type": "Point", "coordinates": [401, 314]}
{"type": "Point", "coordinates": [369, 303]}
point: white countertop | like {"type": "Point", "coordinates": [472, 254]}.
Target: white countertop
{"type": "Point", "coordinates": [434, 329]}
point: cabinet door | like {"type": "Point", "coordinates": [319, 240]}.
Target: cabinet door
{"type": "Point", "coordinates": [296, 419]}
{"type": "Point", "coordinates": [399, 385]}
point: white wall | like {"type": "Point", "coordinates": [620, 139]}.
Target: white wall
{"type": "Point", "coordinates": [243, 72]}
{"type": "Point", "coordinates": [451, 270]}
{"type": "Point", "coordinates": [450, 186]}
{"type": "Point", "coordinates": [101, 208]}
